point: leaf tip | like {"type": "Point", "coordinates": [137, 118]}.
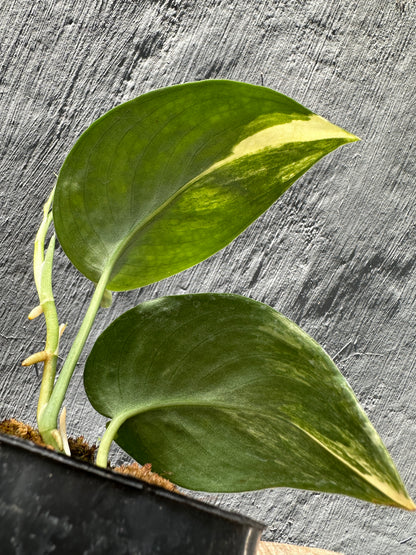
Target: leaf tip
{"type": "Point", "coordinates": [403, 501]}
{"type": "Point", "coordinates": [409, 505]}
{"type": "Point", "coordinates": [352, 138]}
{"type": "Point", "coordinates": [345, 135]}
{"type": "Point", "coordinates": [395, 496]}
{"type": "Point", "coordinates": [321, 128]}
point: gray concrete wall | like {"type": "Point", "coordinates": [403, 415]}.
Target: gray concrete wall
{"type": "Point", "coordinates": [336, 253]}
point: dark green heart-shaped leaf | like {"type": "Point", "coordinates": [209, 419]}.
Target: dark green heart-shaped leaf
{"type": "Point", "coordinates": [162, 182]}
{"type": "Point", "coordinates": [222, 393]}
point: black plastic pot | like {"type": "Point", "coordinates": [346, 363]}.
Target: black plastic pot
{"type": "Point", "coordinates": [50, 503]}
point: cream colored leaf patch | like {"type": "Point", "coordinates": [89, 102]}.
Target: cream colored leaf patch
{"type": "Point", "coordinates": [314, 128]}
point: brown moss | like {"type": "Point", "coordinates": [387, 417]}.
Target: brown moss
{"type": "Point", "coordinates": [81, 450]}
{"type": "Point", "coordinates": [145, 473]}
{"type": "Point", "coordinates": [15, 428]}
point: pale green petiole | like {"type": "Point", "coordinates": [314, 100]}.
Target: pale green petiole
{"type": "Point", "coordinates": [108, 438]}
{"type": "Point", "coordinates": [52, 394]}
{"type": "Point", "coordinates": [48, 420]}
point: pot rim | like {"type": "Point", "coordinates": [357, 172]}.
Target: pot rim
{"type": "Point", "coordinates": [128, 481]}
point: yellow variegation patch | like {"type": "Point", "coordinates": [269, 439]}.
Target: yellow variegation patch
{"type": "Point", "coordinates": [178, 173]}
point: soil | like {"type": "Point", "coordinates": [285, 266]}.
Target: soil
{"type": "Point", "coordinates": [81, 450]}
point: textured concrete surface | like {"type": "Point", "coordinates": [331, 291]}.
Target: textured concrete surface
{"type": "Point", "coordinates": [336, 253]}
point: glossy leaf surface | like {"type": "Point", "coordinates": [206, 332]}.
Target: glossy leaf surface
{"type": "Point", "coordinates": [222, 393]}
{"type": "Point", "coordinates": [164, 181]}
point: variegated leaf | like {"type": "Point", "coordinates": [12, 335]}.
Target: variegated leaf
{"type": "Point", "coordinates": [164, 181]}
{"type": "Point", "coordinates": [222, 393]}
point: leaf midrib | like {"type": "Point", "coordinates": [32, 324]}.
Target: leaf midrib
{"type": "Point", "coordinates": [124, 243]}
{"type": "Point", "coordinates": [394, 495]}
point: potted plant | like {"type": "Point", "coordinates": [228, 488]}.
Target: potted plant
{"type": "Point", "coordinates": [218, 392]}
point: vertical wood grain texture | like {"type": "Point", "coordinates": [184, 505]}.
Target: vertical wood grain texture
{"type": "Point", "coordinates": [336, 253]}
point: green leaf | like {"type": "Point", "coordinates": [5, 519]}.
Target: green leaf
{"type": "Point", "coordinates": [164, 181]}
{"type": "Point", "coordinates": [222, 393]}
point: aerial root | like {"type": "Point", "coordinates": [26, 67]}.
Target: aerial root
{"type": "Point", "coordinates": [41, 356]}
{"type": "Point", "coordinates": [37, 311]}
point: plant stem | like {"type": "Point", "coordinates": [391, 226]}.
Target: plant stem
{"type": "Point", "coordinates": [42, 271]}
{"type": "Point", "coordinates": [49, 417]}
{"type": "Point", "coordinates": [52, 330]}
{"type": "Point", "coordinates": [51, 396]}
{"type": "Point", "coordinates": [107, 439]}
